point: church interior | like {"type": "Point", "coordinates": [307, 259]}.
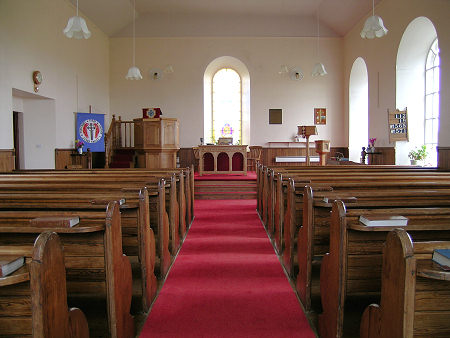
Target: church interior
{"type": "Point", "coordinates": [224, 169]}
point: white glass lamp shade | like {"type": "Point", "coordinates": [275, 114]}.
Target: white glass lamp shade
{"type": "Point", "coordinates": [319, 70]}
{"type": "Point", "coordinates": [373, 28]}
{"type": "Point", "coordinates": [134, 74]}
{"type": "Point", "coordinates": [77, 28]}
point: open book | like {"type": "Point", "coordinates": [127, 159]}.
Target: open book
{"type": "Point", "coordinates": [10, 264]}
{"type": "Point", "coordinates": [55, 221]}
{"type": "Point", "coordinates": [386, 220]}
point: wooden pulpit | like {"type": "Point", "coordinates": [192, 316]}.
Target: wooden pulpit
{"type": "Point", "coordinates": [157, 142]}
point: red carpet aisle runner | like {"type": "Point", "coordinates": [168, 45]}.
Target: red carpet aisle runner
{"type": "Point", "coordinates": [226, 281]}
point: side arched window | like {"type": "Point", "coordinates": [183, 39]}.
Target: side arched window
{"type": "Point", "coordinates": [432, 89]}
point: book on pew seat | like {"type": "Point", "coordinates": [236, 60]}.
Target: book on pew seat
{"type": "Point", "coordinates": [55, 221]}
{"type": "Point", "coordinates": [9, 264]}
{"type": "Point", "coordinates": [348, 199]}
{"type": "Point", "coordinates": [442, 257]}
{"type": "Point", "coordinates": [379, 220]}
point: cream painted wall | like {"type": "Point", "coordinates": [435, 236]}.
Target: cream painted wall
{"type": "Point", "coordinates": [75, 72]}
{"type": "Point", "coordinates": [180, 94]}
{"type": "Point", "coordinates": [380, 56]}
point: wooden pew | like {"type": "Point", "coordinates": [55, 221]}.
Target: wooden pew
{"type": "Point", "coordinates": [415, 297]}
{"type": "Point", "coordinates": [138, 238]}
{"type": "Point", "coordinates": [280, 228]}
{"type": "Point", "coordinates": [184, 174]}
{"type": "Point", "coordinates": [176, 191]}
{"type": "Point", "coordinates": [97, 270]}
{"type": "Point", "coordinates": [328, 172]}
{"type": "Point", "coordinates": [33, 299]}
{"type": "Point", "coordinates": [352, 268]}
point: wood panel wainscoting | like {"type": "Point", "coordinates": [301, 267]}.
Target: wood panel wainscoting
{"type": "Point", "coordinates": [70, 159]}
{"type": "Point", "coordinates": [187, 158]}
{"type": "Point", "coordinates": [382, 155]}
{"type": "Point", "coordinates": [7, 160]}
{"type": "Point", "coordinates": [443, 157]}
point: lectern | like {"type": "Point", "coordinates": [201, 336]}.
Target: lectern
{"type": "Point", "coordinates": [306, 132]}
{"type": "Point", "coordinates": [157, 142]}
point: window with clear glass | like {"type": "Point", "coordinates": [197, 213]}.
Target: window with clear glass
{"type": "Point", "coordinates": [432, 88]}
{"type": "Point", "coordinates": [226, 105]}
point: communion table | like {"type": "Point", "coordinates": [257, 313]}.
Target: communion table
{"type": "Point", "coordinates": [222, 159]}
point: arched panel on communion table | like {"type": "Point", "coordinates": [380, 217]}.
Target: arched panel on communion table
{"type": "Point", "coordinates": [222, 159]}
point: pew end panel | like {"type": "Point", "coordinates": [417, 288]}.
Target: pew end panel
{"type": "Point", "coordinates": [415, 293]}
{"type": "Point", "coordinates": [48, 292]}
{"type": "Point", "coordinates": [332, 282]}
{"type": "Point", "coordinates": [397, 260]}
{"type": "Point", "coordinates": [119, 287]}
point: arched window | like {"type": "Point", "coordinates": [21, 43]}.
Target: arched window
{"type": "Point", "coordinates": [432, 89]}
{"type": "Point", "coordinates": [413, 57]}
{"type": "Point", "coordinates": [226, 105]}
{"type": "Point", "coordinates": [226, 98]}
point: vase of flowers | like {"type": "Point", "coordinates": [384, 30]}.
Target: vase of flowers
{"type": "Point", "coordinates": [79, 146]}
{"type": "Point", "coordinates": [371, 147]}
{"type": "Point", "coordinates": [418, 154]}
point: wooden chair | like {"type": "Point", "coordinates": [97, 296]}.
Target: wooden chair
{"type": "Point", "coordinates": [254, 157]}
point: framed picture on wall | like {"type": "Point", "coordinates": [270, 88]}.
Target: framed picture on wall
{"type": "Point", "coordinates": [275, 116]}
{"type": "Point", "coordinates": [320, 116]}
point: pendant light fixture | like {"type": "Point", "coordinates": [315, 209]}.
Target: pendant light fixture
{"type": "Point", "coordinates": [374, 27]}
{"type": "Point", "coordinates": [319, 68]}
{"type": "Point", "coordinates": [77, 28]}
{"type": "Point", "coordinates": [134, 73]}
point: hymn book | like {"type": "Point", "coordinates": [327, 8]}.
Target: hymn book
{"type": "Point", "coordinates": [10, 264]}
{"type": "Point", "coordinates": [387, 220]}
{"type": "Point", "coordinates": [55, 221]}
{"type": "Point", "coordinates": [442, 257]}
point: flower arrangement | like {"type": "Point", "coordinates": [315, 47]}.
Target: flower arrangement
{"type": "Point", "coordinates": [372, 142]}
{"type": "Point", "coordinates": [418, 154]}
{"type": "Point", "coordinates": [79, 144]}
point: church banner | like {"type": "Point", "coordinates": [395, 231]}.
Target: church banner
{"type": "Point", "coordinates": [90, 130]}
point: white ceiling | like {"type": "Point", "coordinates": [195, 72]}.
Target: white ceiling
{"type": "Point", "coordinates": [186, 17]}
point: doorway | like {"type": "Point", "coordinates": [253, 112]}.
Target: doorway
{"type": "Point", "coordinates": [17, 128]}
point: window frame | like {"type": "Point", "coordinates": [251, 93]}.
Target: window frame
{"type": "Point", "coordinates": [240, 103]}
{"type": "Point", "coordinates": [432, 117]}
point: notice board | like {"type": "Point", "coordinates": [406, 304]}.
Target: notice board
{"type": "Point", "coordinates": [398, 125]}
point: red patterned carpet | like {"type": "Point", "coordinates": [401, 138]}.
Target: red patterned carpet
{"type": "Point", "coordinates": [227, 281]}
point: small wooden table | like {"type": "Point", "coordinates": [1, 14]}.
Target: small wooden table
{"type": "Point", "coordinates": [223, 156]}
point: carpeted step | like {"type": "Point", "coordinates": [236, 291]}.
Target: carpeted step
{"type": "Point", "coordinates": [225, 188]}
{"type": "Point", "coordinates": [213, 195]}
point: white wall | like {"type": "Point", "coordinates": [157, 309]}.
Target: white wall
{"type": "Point", "coordinates": [75, 72]}
{"type": "Point", "coordinates": [381, 55]}
{"type": "Point", "coordinates": [180, 94]}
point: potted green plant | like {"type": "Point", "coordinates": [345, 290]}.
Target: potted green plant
{"type": "Point", "coordinates": [418, 154]}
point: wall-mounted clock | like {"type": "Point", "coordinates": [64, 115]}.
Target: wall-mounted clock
{"type": "Point", "coordinates": [37, 80]}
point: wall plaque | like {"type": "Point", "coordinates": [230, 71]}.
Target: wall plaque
{"type": "Point", "coordinates": [398, 125]}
